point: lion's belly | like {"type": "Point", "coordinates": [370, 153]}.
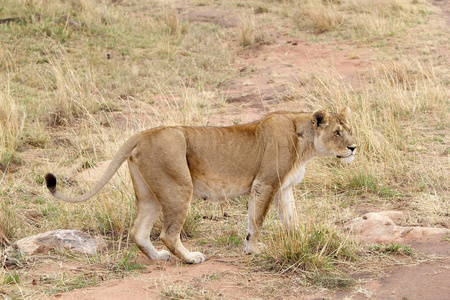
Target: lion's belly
{"type": "Point", "coordinates": [215, 190]}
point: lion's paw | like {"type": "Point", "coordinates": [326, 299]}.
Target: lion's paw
{"type": "Point", "coordinates": [251, 248]}
{"type": "Point", "coordinates": [196, 257]}
{"type": "Point", "coordinates": [162, 255]}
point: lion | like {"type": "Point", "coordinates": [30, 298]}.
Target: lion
{"type": "Point", "coordinates": [264, 159]}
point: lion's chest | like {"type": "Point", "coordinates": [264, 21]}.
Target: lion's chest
{"type": "Point", "coordinates": [295, 176]}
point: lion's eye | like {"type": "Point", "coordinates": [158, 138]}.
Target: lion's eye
{"type": "Point", "coordinates": [337, 133]}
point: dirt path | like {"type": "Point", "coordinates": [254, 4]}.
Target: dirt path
{"type": "Point", "coordinates": [223, 279]}
{"type": "Point", "coordinates": [158, 276]}
{"type": "Point", "coordinates": [270, 73]}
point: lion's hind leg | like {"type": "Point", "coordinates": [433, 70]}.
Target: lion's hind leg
{"type": "Point", "coordinates": [175, 211]}
{"type": "Point", "coordinates": [163, 166]}
{"type": "Point", "coordinates": [175, 196]}
{"type": "Point", "coordinates": [148, 209]}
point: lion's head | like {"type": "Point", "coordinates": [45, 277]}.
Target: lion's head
{"type": "Point", "coordinates": [334, 135]}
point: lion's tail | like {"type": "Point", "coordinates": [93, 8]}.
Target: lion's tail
{"type": "Point", "coordinates": [117, 161]}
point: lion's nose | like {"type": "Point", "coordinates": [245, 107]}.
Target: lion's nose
{"type": "Point", "coordinates": [351, 148]}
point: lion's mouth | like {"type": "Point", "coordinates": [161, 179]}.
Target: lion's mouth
{"type": "Point", "coordinates": [346, 159]}
{"type": "Point", "coordinates": [340, 156]}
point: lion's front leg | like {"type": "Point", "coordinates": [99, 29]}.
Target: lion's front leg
{"type": "Point", "coordinates": [258, 205]}
{"type": "Point", "coordinates": [285, 202]}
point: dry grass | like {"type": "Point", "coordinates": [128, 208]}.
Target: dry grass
{"type": "Point", "coordinates": [247, 29]}
{"type": "Point", "coordinates": [317, 247]}
{"type": "Point", "coordinates": [320, 15]}
{"type": "Point", "coordinates": [12, 122]}
{"type": "Point", "coordinates": [73, 71]}
{"type": "Point", "coordinates": [381, 112]}
{"type": "Point", "coordinates": [362, 20]}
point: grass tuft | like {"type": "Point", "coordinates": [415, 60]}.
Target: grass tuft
{"type": "Point", "coordinates": [10, 278]}
{"type": "Point", "coordinates": [128, 263]}
{"type": "Point", "coordinates": [246, 30]}
{"type": "Point", "coordinates": [229, 239]}
{"type": "Point", "coordinates": [392, 248]}
{"type": "Point", "coordinates": [172, 21]}
{"type": "Point", "coordinates": [321, 16]}
{"type": "Point", "coordinates": [314, 247]}
{"type": "Point", "coordinates": [333, 281]}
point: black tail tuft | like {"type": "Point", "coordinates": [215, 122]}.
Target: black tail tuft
{"type": "Point", "coordinates": [50, 182]}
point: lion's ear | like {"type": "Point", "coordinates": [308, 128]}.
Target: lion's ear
{"type": "Point", "coordinates": [346, 113]}
{"type": "Point", "coordinates": [320, 118]}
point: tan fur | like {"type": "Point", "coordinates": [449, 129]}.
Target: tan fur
{"type": "Point", "coordinates": [265, 159]}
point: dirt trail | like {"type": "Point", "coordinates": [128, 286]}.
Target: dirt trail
{"type": "Point", "coordinates": [157, 276]}
{"type": "Point", "coordinates": [268, 73]}
{"type": "Point", "coordinates": [224, 279]}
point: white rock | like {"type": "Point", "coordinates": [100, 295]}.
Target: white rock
{"type": "Point", "coordinates": [73, 240]}
{"type": "Point", "coordinates": [381, 227]}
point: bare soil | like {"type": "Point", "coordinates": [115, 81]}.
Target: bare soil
{"type": "Point", "coordinates": [224, 279]}
{"type": "Point", "coordinates": [268, 73]}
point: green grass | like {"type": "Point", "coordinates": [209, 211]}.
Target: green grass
{"type": "Point", "coordinates": [10, 159]}
{"type": "Point", "coordinates": [66, 282]}
{"type": "Point", "coordinates": [229, 240]}
{"type": "Point", "coordinates": [366, 183]}
{"type": "Point", "coordinates": [392, 248]}
{"type": "Point", "coordinates": [10, 278]}
{"type": "Point", "coordinates": [128, 263]}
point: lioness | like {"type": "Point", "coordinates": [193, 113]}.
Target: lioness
{"type": "Point", "coordinates": [168, 165]}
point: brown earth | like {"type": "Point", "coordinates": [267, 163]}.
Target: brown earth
{"type": "Point", "coordinates": [268, 74]}
{"type": "Point", "coordinates": [427, 280]}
